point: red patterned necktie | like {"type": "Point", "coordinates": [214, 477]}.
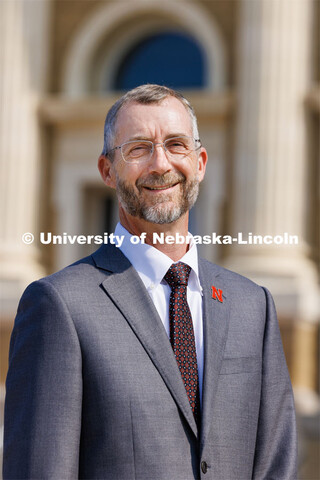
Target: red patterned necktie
{"type": "Point", "coordinates": [181, 332]}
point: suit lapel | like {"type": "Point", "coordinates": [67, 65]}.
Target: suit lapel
{"type": "Point", "coordinates": [128, 292]}
{"type": "Point", "coordinates": [216, 321]}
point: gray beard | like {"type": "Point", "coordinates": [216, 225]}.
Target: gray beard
{"type": "Point", "coordinates": [161, 211]}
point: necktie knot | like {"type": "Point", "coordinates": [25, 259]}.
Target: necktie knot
{"type": "Point", "coordinates": [178, 274]}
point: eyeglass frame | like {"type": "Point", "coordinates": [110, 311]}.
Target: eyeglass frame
{"type": "Point", "coordinates": [153, 147]}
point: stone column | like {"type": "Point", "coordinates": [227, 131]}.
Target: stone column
{"type": "Point", "coordinates": [269, 186]}
{"type": "Point", "coordinates": [23, 56]}
{"type": "Point", "coordinates": [270, 179]}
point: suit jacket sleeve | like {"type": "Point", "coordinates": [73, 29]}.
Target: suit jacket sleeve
{"type": "Point", "coordinates": [44, 389]}
{"type": "Point", "coordinates": [276, 446]}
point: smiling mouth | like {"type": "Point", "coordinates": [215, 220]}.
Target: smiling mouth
{"type": "Point", "coordinates": [160, 187]}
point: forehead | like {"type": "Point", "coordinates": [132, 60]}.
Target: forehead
{"type": "Point", "coordinates": [168, 117]}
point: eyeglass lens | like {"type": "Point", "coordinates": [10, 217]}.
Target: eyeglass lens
{"type": "Point", "coordinates": [142, 150]}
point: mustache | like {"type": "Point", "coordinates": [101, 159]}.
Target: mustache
{"type": "Point", "coordinates": [156, 180]}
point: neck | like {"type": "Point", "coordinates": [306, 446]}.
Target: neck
{"type": "Point", "coordinates": [137, 226]}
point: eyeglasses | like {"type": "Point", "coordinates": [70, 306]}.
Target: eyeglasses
{"type": "Point", "coordinates": [139, 151]}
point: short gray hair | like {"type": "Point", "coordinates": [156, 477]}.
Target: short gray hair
{"type": "Point", "coordinates": [144, 94]}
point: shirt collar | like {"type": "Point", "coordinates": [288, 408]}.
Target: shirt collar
{"type": "Point", "coordinates": [152, 265]}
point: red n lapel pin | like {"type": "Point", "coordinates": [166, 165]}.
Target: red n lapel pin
{"type": "Point", "coordinates": [216, 294]}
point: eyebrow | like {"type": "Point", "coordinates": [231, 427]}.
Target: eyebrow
{"type": "Point", "coordinates": [167, 137]}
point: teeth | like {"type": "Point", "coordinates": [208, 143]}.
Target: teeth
{"type": "Point", "coordinates": [160, 188]}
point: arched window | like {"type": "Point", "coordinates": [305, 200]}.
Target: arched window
{"type": "Point", "coordinates": [169, 58]}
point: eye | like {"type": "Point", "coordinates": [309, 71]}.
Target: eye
{"type": "Point", "coordinates": [177, 145]}
{"type": "Point", "coordinates": [137, 149]}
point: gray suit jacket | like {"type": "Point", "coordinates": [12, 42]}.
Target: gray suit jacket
{"type": "Point", "coordinates": [94, 391]}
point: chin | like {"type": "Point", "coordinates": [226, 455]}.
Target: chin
{"type": "Point", "coordinates": [162, 214]}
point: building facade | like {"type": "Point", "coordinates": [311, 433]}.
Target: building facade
{"type": "Point", "coordinates": [251, 70]}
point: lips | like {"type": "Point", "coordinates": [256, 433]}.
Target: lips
{"type": "Point", "coordinates": [160, 183]}
{"type": "Point", "coordinates": [159, 187]}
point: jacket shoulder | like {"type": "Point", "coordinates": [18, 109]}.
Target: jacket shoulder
{"type": "Point", "coordinates": [84, 274]}
{"type": "Point", "coordinates": [233, 280]}
{"type": "Point", "coordinates": [76, 276]}
{"type": "Point", "coordinates": [76, 270]}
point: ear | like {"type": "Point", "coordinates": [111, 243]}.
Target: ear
{"type": "Point", "coordinates": [107, 172]}
{"type": "Point", "coordinates": [202, 162]}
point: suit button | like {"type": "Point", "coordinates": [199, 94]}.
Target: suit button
{"type": "Point", "coordinates": [204, 467]}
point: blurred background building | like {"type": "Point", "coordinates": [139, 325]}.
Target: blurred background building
{"type": "Point", "coordinates": [251, 70]}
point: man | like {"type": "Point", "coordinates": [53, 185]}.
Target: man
{"type": "Point", "coordinates": [143, 362]}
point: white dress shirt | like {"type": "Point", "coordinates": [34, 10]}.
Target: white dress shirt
{"type": "Point", "coordinates": [152, 265]}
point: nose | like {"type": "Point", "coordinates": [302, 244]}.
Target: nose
{"type": "Point", "coordinates": [159, 161]}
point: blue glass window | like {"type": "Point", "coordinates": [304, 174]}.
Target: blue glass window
{"type": "Point", "coordinates": [173, 59]}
